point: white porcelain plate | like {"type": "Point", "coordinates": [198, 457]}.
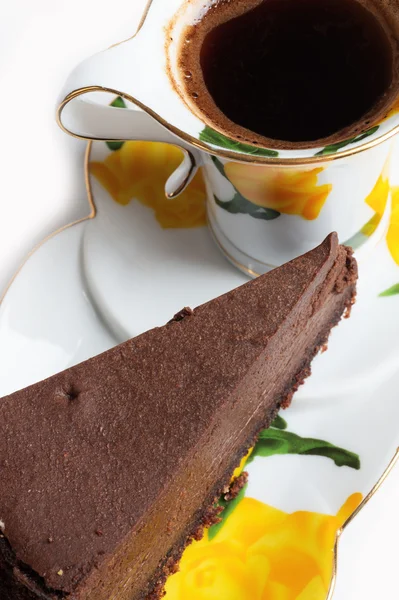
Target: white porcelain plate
{"type": "Point", "coordinates": [131, 267]}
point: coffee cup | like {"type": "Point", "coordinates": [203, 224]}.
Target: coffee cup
{"type": "Point", "coordinates": [267, 202]}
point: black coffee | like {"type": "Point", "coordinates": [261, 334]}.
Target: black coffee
{"type": "Point", "coordinates": [296, 70]}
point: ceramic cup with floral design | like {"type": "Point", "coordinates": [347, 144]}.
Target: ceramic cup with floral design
{"type": "Point", "coordinates": [265, 205]}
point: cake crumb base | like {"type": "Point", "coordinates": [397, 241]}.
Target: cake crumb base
{"type": "Point", "coordinates": [211, 517]}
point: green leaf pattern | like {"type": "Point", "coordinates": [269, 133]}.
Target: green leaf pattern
{"type": "Point", "coordinates": [277, 440]}
{"type": "Point", "coordinates": [274, 441]}
{"type": "Point", "coordinates": [279, 423]}
{"type": "Point", "coordinates": [240, 205]}
{"type": "Point", "coordinates": [332, 148]}
{"type": "Point", "coordinates": [210, 136]}
{"type": "Point", "coordinates": [392, 291]}
{"type": "Point", "coordinates": [117, 103]}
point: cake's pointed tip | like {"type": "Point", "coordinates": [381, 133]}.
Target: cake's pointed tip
{"type": "Point", "coordinates": [326, 251]}
{"type": "Point", "coordinates": [331, 241]}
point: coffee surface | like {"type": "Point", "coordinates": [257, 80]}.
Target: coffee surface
{"type": "Point", "coordinates": [291, 70]}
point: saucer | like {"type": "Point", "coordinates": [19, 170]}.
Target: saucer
{"type": "Point", "coordinates": [135, 262]}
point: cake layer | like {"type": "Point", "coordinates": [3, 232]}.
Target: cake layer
{"type": "Point", "coordinates": [107, 468]}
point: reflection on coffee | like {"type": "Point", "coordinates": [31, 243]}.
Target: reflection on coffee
{"type": "Point", "coordinates": [289, 70]}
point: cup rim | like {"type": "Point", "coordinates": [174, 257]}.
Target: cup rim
{"type": "Point", "coordinates": [221, 152]}
{"type": "Point", "coordinates": [218, 144]}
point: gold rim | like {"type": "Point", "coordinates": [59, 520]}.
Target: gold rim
{"type": "Point", "coordinates": [353, 516]}
{"type": "Point", "coordinates": [227, 154]}
{"type": "Point", "coordinates": [140, 25]}
{"type": "Point", "coordinates": [230, 258]}
{"type": "Point", "coordinates": [144, 16]}
{"type": "Point", "coordinates": [234, 261]}
{"type": "Point", "coordinates": [91, 215]}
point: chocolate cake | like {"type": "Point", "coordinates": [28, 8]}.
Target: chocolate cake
{"type": "Point", "coordinates": [109, 469]}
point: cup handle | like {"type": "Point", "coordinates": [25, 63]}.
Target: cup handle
{"type": "Point", "coordinates": [81, 116]}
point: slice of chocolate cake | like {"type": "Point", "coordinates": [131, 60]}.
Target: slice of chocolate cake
{"type": "Point", "coordinates": [108, 469]}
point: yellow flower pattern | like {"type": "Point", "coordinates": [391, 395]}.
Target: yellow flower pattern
{"type": "Point", "coordinates": [393, 230]}
{"type": "Point", "coordinates": [262, 553]}
{"type": "Point", "coordinates": [288, 191]}
{"type": "Point", "coordinates": [377, 200]}
{"type": "Point", "coordinates": [139, 170]}
{"type": "Point", "coordinates": [241, 466]}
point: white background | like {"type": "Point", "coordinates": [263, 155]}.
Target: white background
{"type": "Point", "coordinates": [42, 188]}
